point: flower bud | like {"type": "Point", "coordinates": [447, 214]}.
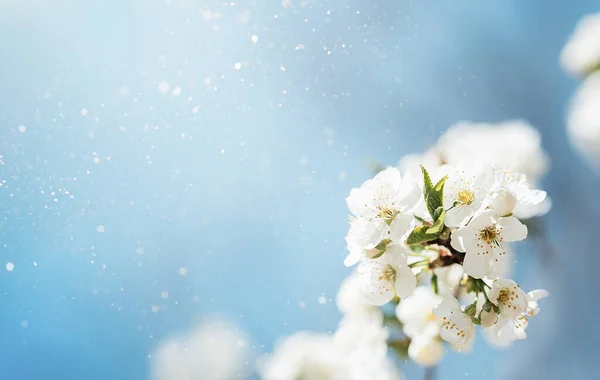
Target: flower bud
{"type": "Point", "coordinates": [426, 351]}
{"type": "Point", "coordinates": [488, 318]}
{"type": "Point", "coordinates": [503, 201]}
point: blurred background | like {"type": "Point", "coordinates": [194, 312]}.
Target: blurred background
{"type": "Point", "coordinates": [163, 161]}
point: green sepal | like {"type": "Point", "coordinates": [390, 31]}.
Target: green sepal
{"type": "Point", "coordinates": [382, 246]}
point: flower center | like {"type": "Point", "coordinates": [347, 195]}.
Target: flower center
{"type": "Point", "coordinates": [387, 214]}
{"type": "Point", "coordinates": [389, 273]}
{"type": "Point", "coordinates": [465, 197]}
{"type": "Point", "coordinates": [506, 296]}
{"type": "Point", "coordinates": [491, 235]}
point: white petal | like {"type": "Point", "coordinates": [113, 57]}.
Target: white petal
{"type": "Point", "coordinates": [375, 288]}
{"type": "Point", "coordinates": [390, 175]}
{"type": "Point", "coordinates": [448, 305]}
{"type": "Point", "coordinates": [483, 219]}
{"type": "Point", "coordinates": [406, 281]}
{"type": "Point", "coordinates": [512, 229]}
{"type": "Point", "coordinates": [537, 294]}
{"type": "Point", "coordinates": [477, 258]}
{"type": "Point", "coordinates": [457, 215]}
{"type": "Point", "coordinates": [400, 226]}
{"type": "Point", "coordinates": [458, 236]}
{"type": "Point", "coordinates": [353, 258]}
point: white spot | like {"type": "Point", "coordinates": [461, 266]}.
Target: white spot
{"type": "Point", "coordinates": [177, 91]}
{"type": "Point", "coordinates": [10, 266]}
{"type": "Point", "coordinates": [84, 111]}
{"type": "Point", "coordinates": [322, 300]}
{"type": "Point", "coordinates": [164, 87]}
{"type": "Point", "coordinates": [155, 309]}
{"type": "Point", "coordinates": [254, 39]}
{"type": "Point", "coordinates": [22, 128]}
{"type": "Point", "coordinates": [164, 294]}
{"type": "Point", "coordinates": [237, 66]}
{"type": "Point", "coordinates": [35, 264]}
{"type": "Point", "coordinates": [240, 343]}
{"type": "Point", "coordinates": [301, 304]}
{"type": "Point", "coordinates": [183, 271]}
{"type": "Point", "coordinates": [283, 68]}
{"type": "Point", "coordinates": [100, 228]}
{"type": "Point", "coordinates": [96, 160]}
{"type": "Point", "coordinates": [222, 151]}
{"type": "Point", "coordinates": [140, 250]}
{"type": "Point", "coordinates": [24, 324]}
{"type": "Point", "coordinates": [196, 109]}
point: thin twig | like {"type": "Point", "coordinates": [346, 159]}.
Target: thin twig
{"type": "Point", "coordinates": [429, 373]}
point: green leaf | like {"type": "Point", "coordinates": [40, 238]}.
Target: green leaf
{"type": "Point", "coordinates": [419, 235]}
{"type": "Point", "coordinates": [438, 225]}
{"type": "Point", "coordinates": [434, 198]}
{"type": "Point", "coordinates": [434, 284]}
{"type": "Point", "coordinates": [428, 185]}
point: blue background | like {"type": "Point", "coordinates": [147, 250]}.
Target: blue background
{"type": "Point", "coordinates": [248, 193]}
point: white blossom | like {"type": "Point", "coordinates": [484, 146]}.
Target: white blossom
{"type": "Point", "coordinates": [349, 298]}
{"type": "Point", "coordinates": [305, 355]}
{"type": "Point", "coordinates": [581, 54]}
{"type": "Point", "coordinates": [507, 330]}
{"type": "Point", "coordinates": [382, 207]}
{"type": "Point", "coordinates": [410, 164]}
{"type": "Point", "coordinates": [483, 242]}
{"type": "Point", "coordinates": [583, 123]}
{"type": "Point", "coordinates": [510, 185]}
{"type": "Point", "coordinates": [464, 192]}
{"type": "Point", "coordinates": [426, 351]}
{"type": "Point", "coordinates": [510, 299]}
{"type": "Point", "coordinates": [386, 276]}
{"type": "Point", "coordinates": [510, 145]}
{"type": "Point", "coordinates": [216, 350]}
{"type": "Point", "coordinates": [457, 327]}
{"type": "Point", "coordinates": [449, 278]}
{"type": "Point", "coordinates": [416, 313]}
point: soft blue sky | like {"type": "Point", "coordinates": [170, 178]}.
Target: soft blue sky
{"type": "Point", "coordinates": [247, 190]}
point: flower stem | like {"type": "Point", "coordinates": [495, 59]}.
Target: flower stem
{"type": "Point", "coordinates": [429, 373]}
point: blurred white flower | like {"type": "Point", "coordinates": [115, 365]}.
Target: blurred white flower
{"type": "Point", "coordinates": [305, 355]}
{"type": "Point", "coordinates": [483, 242]}
{"type": "Point", "coordinates": [449, 278]}
{"type": "Point", "coordinates": [416, 313]}
{"type": "Point", "coordinates": [350, 299]}
{"type": "Point", "coordinates": [581, 54]}
{"type": "Point", "coordinates": [426, 351]}
{"type": "Point", "coordinates": [382, 208]}
{"type": "Point", "coordinates": [583, 123]}
{"type": "Point", "coordinates": [507, 330]}
{"type": "Point", "coordinates": [510, 145]}
{"type": "Point", "coordinates": [216, 350]}
{"type": "Point", "coordinates": [464, 192]}
{"type": "Point", "coordinates": [387, 276]}
{"type": "Point", "coordinates": [410, 164]}
{"type": "Point", "coordinates": [457, 328]}
{"type": "Point", "coordinates": [357, 351]}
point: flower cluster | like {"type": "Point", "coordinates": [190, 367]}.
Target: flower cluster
{"type": "Point", "coordinates": [449, 228]}
{"type": "Point", "coordinates": [581, 57]}
{"type": "Point", "coordinates": [356, 351]}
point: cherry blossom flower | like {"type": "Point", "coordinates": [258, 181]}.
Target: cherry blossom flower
{"type": "Point", "coordinates": [507, 330]}
{"type": "Point", "coordinates": [464, 192]}
{"type": "Point", "coordinates": [382, 207]}
{"type": "Point", "coordinates": [386, 276]}
{"type": "Point", "coordinates": [483, 241]}
{"type": "Point", "coordinates": [457, 327]}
